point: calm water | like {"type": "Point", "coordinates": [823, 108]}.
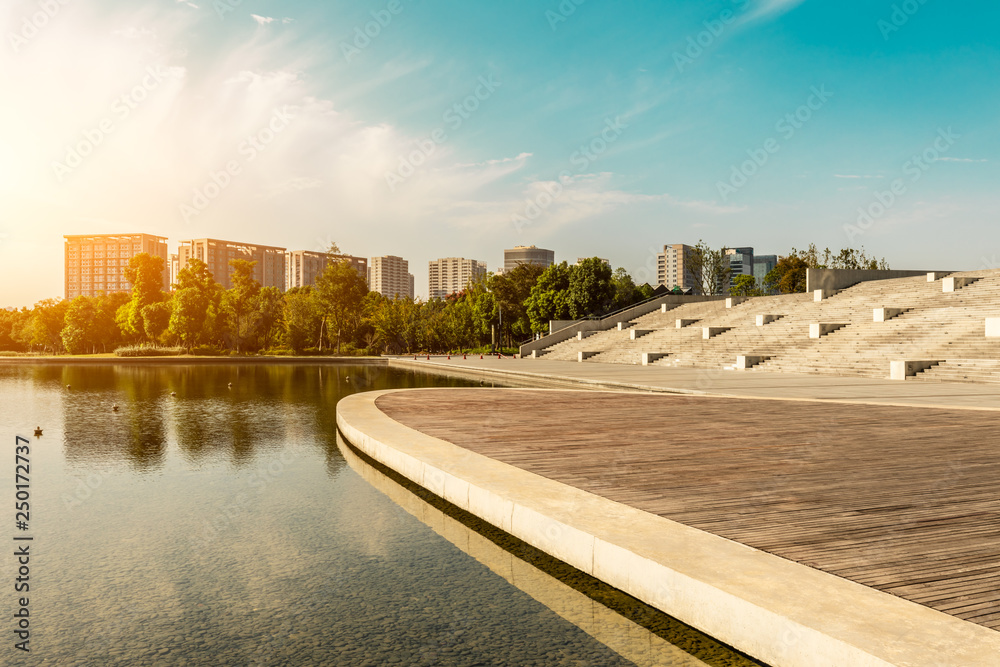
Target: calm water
{"type": "Point", "coordinates": [226, 526]}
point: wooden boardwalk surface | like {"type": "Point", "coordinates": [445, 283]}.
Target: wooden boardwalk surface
{"type": "Point", "coordinates": [905, 500]}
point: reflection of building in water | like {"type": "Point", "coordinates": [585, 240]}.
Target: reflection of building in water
{"type": "Point", "coordinates": [630, 640]}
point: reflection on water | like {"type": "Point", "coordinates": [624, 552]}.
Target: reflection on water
{"type": "Point", "coordinates": [643, 635]}
{"type": "Point", "coordinates": [221, 526]}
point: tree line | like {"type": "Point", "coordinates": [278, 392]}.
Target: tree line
{"type": "Point", "coordinates": [710, 272]}
{"type": "Point", "coordinates": [338, 315]}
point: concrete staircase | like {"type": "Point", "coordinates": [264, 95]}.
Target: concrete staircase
{"type": "Point", "coordinates": [948, 327]}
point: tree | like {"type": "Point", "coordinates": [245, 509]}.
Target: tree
{"type": "Point", "coordinates": [709, 268]}
{"type": "Point", "coordinates": [155, 320]}
{"type": "Point", "coordinates": [197, 298]}
{"type": "Point", "coordinates": [744, 285]}
{"type": "Point", "coordinates": [145, 272]}
{"type": "Point", "coordinates": [626, 292]}
{"type": "Point", "coordinates": [590, 289]}
{"type": "Point", "coordinates": [44, 328]}
{"type": "Point", "coordinates": [549, 297]}
{"type": "Point", "coordinates": [302, 318]}
{"type": "Point", "coordinates": [340, 290]}
{"type": "Point", "coordinates": [511, 290]}
{"type": "Point", "coordinates": [78, 332]}
{"type": "Point", "coordinates": [240, 303]}
{"type": "Point", "coordinates": [270, 316]}
{"type": "Point", "coordinates": [11, 324]}
{"type": "Point", "coordinates": [788, 276]}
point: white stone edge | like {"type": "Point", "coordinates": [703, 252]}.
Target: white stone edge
{"type": "Point", "coordinates": [778, 611]}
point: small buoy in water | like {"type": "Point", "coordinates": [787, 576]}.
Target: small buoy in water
{"type": "Point", "coordinates": [230, 385]}
{"type": "Point", "coordinates": [115, 407]}
{"type": "Point", "coordinates": [38, 431]}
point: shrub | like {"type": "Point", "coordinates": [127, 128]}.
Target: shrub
{"type": "Point", "coordinates": [148, 351]}
{"type": "Point", "coordinates": [278, 352]}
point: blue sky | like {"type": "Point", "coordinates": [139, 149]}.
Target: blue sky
{"type": "Point", "coordinates": [599, 128]}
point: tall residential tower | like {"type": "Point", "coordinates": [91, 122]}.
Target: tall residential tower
{"type": "Point", "coordinates": [452, 274]}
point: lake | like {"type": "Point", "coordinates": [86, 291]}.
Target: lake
{"type": "Point", "coordinates": [226, 525]}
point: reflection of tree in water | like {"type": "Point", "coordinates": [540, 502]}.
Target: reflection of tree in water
{"type": "Point", "coordinates": [95, 431]}
{"type": "Point", "coordinates": [267, 407]}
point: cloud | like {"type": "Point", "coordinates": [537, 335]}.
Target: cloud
{"type": "Point", "coordinates": [189, 4]}
{"type": "Point", "coordinates": [262, 20]}
{"type": "Point", "coordinates": [856, 176]}
{"type": "Point", "coordinates": [958, 159]}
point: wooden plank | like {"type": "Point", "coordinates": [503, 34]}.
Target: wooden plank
{"type": "Point", "coordinates": [905, 500]}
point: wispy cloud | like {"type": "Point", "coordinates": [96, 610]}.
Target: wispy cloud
{"type": "Point", "coordinates": [856, 176]}
{"type": "Point", "coordinates": [262, 20]}
{"type": "Point", "coordinates": [959, 159]}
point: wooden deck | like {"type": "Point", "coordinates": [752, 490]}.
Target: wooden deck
{"type": "Point", "coordinates": [905, 500]}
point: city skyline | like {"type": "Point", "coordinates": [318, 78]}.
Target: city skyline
{"type": "Point", "coordinates": [780, 123]}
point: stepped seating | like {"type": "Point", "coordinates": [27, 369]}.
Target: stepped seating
{"type": "Point", "coordinates": [936, 325]}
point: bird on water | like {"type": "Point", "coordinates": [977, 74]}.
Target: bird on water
{"type": "Point", "coordinates": [38, 431]}
{"type": "Point", "coordinates": [115, 407]}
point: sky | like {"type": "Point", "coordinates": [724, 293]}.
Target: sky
{"type": "Point", "coordinates": [438, 129]}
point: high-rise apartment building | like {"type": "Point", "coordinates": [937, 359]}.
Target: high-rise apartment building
{"type": "Point", "coordinates": [452, 274]}
{"type": "Point", "coordinates": [303, 267]}
{"type": "Point", "coordinates": [390, 276]}
{"type": "Point", "coordinates": [672, 268]}
{"type": "Point", "coordinates": [269, 271]}
{"type": "Point", "coordinates": [95, 262]}
{"type": "Point", "coordinates": [527, 254]}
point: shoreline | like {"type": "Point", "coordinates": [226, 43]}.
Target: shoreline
{"type": "Point", "coordinates": [189, 360]}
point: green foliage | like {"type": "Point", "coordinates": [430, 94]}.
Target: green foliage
{"type": "Point", "coordinates": [744, 285]}
{"type": "Point", "coordinates": [302, 320]}
{"type": "Point", "coordinates": [240, 304]}
{"type": "Point", "coordinates": [549, 297]}
{"type": "Point", "coordinates": [196, 304]}
{"type": "Point", "coordinates": [340, 291]}
{"type": "Point", "coordinates": [145, 272]}
{"type": "Point", "coordinates": [709, 269]}
{"type": "Point", "coordinates": [590, 289]}
{"type": "Point", "coordinates": [155, 320]}
{"type": "Point", "coordinates": [788, 276]}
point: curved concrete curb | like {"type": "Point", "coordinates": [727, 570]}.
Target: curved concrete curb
{"type": "Point", "coordinates": [631, 641]}
{"type": "Point", "coordinates": [777, 611]}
